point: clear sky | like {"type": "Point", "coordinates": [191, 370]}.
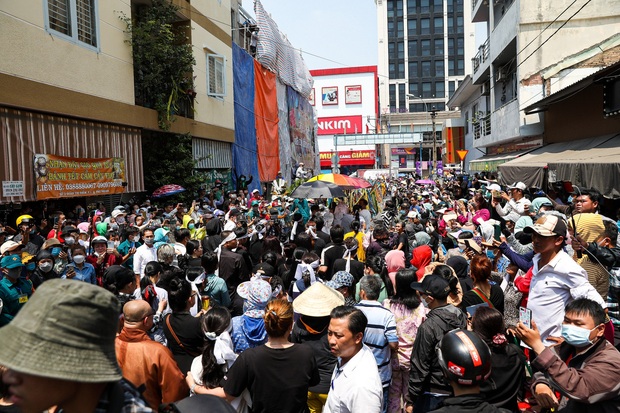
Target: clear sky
{"type": "Point", "coordinates": [342, 31]}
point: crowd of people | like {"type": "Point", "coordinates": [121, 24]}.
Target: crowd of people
{"type": "Point", "coordinates": [463, 296]}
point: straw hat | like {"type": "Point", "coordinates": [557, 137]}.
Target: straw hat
{"type": "Point", "coordinates": [65, 331]}
{"type": "Point", "coordinates": [318, 300]}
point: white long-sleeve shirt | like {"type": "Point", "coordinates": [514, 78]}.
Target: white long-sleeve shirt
{"type": "Point", "coordinates": [553, 286]}
{"type": "Point", "coordinates": [143, 256]}
{"type": "Point", "coordinates": [513, 209]}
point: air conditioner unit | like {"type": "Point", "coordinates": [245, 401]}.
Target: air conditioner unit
{"type": "Point", "coordinates": [501, 75]}
{"type": "Point", "coordinates": [485, 89]}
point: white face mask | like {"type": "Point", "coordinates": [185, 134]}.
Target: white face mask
{"type": "Point", "coordinates": [78, 259]}
{"type": "Point", "coordinates": [424, 302]}
{"type": "Point", "coordinates": [430, 229]}
{"type": "Point", "coordinates": [69, 240]}
{"type": "Point", "coordinates": [46, 266]}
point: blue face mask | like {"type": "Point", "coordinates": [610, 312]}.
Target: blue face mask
{"type": "Point", "coordinates": [56, 251]}
{"type": "Point", "coordinates": [570, 199]}
{"type": "Point", "coordinates": [191, 226]}
{"type": "Point", "coordinates": [576, 336]}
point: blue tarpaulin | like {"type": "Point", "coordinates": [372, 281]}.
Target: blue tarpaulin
{"type": "Point", "coordinates": [244, 150]}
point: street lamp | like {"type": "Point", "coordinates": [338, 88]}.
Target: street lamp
{"type": "Point", "coordinates": [433, 116]}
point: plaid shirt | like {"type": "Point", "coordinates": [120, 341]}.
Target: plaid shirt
{"type": "Point", "coordinates": [132, 401]}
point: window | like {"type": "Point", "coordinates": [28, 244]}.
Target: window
{"type": "Point", "coordinates": [413, 48]}
{"type": "Point", "coordinates": [399, 8]}
{"type": "Point", "coordinates": [413, 89]}
{"type": "Point", "coordinates": [451, 67]}
{"type": "Point", "coordinates": [451, 47]}
{"type": "Point", "coordinates": [426, 89]}
{"type": "Point", "coordinates": [467, 122]}
{"type": "Point", "coordinates": [440, 89]}
{"type": "Point", "coordinates": [412, 27]}
{"type": "Point", "coordinates": [391, 28]}
{"type": "Point", "coordinates": [401, 69]}
{"type": "Point", "coordinates": [402, 98]}
{"type": "Point", "coordinates": [460, 47]}
{"type": "Point", "coordinates": [390, 9]}
{"type": "Point", "coordinates": [425, 26]}
{"type": "Point", "coordinates": [439, 68]}
{"type": "Point", "coordinates": [438, 6]}
{"type": "Point", "coordinates": [426, 69]}
{"type": "Point", "coordinates": [411, 6]}
{"type": "Point", "coordinates": [426, 47]}
{"type": "Point", "coordinates": [438, 25]}
{"type": "Point", "coordinates": [216, 75]}
{"type": "Point", "coordinates": [460, 67]}
{"type": "Point", "coordinates": [400, 27]}
{"type": "Point", "coordinates": [425, 6]}
{"type": "Point", "coordinates": [401, 50]}
{"type": "Point", "coordinates": [392, 96]}
{"type": "Point", "coordinates": [451, 89]}
{"type": "Point", "coordinates": [459, 24]}
{"type": "Point", "coordinates": [391, 49]}
{"type": "Point", "coordinates": [392, 71]}
{"type": "Point", "coordinates": [413, 70]}
{"type": "Point", "coordinates": [73, 19]}
{"type": "Point", "coordinates": [438, 47]}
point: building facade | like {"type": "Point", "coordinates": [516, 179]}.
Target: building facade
{"type": "Point", "coordinates": [69, 87]}
{"type": "Point", "coordinates": [345, 102]}
{"type": "Point", "coordinates": [534, 48]}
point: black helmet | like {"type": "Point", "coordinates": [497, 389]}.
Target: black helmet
{"type": "Point", "coordinates": [464, 357]}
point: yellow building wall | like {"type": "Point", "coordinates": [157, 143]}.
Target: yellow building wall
{"type": "Point", "coordinates": [29, 51]}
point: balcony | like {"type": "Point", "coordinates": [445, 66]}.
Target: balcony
{"type": "Point", "coordinates": [479, 11]}
{"type": "Point", "coordinates": [481, 57]}
{"type": "Point", "coordinates": [482, 125]}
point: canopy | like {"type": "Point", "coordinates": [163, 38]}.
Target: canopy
{"type": "Point", "coordinates": [593, 163]}
{"type": "Point", "coordinates": [318, 189]}
{"type": "Point", "coordinates": [491, 162]}
{"type": "Point", "coordinates": [343, 181]}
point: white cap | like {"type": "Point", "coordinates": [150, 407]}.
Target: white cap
{"type": "Point", "coordinates": [518, 185]}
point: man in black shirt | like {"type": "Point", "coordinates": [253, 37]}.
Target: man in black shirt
{"type": "Point", "coordinates": [332, 252]}
{"type": "Point", "coordinates": [232, 269]}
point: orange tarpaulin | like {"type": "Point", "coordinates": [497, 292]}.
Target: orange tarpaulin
{"type": "Point", "coordinates": [266, 118]}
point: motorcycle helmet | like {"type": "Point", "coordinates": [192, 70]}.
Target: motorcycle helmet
{"type": "Point", "coordinates": [464, 357]}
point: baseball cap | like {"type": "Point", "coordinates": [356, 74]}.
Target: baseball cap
{"type": "Point", "coordinates": [99, 240]}
{"type": "Point", "coordinates": [548, 226]}
{"type": "Point", "coordinates": [340, 279]}
{"type": "Point", "coordinates": [11, 261]}
{"type": "Point", "coordinates": [255, 203]}
{"type": "Point", "coordinates": [433, 285]}
{"type": "Point", "coordinates": [264, 270]}
{"type": "Point", "coordinates": [255, 191]}
{"type": "Point", "coordinates": [10, 246]}
{"type": "Point", "coordinates": [518, 185]}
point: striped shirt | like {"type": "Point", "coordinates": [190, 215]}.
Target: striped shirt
{"type": "Point", "coordinates": [380, 332]}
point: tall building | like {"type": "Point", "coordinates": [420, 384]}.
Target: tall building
{"type": "Point", "coordinates": [534, 49]}
{"type": "Point", "coordinates": [423, 49]}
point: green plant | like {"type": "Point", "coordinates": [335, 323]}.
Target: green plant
{"type": "Point", "coordinates": [162, 58]}
{"type": "Point", "coordinates": [168, 159]}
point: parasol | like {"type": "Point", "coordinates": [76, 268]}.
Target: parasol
{"type": "Point", "coordinates": [317, 189]}
{"type": "Point", "coordinates": [167, 190]}
{"type": "Point", "coordinates": [343, 181]}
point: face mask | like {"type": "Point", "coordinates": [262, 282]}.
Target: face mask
{"type": "Point", "coordinates": [56, 251]}
{"type": "Point", "coordinates": [149, 241]}
{"type": "Point", "coordinates": [114, 227]}
{"type": "Point", "coordinates": [570, 199]}
{"type": "Point", "coordinates": [78, 259]}
{"type": "Point", "coordinates": [32, 232]}
{"type": "Point", "coordinates": [462, 247]}
{"type": "Point", "coordinates": [69, 240]}
{"type": "Point", "coordinates": [46, 266]}
{"type": "Point", "coordinates": [120, 220]}
{"type": "Point", "coordinates": [116, 244]}
{"type": "Point", "coordinates": [191, 226]}
{"type": "Point", "coordinates": [490, 255]}
{"type": "Point", "coordinates": [136, 238]}
{"type": "Point", "coordinates": [424, 302]}
{"type": "Point", "coordinates": [14, 273]}
{"type": "Point", "coordinates": [430, 229]}
{"type": "Point", "coordinates": [185, 210]}
{"type": "Point", "coordinates": [576, 336]}
{"type": "Point", "coordinates": [31, 266]}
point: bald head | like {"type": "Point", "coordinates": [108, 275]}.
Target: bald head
{"type": "Point", "coordinates": [135, 312]}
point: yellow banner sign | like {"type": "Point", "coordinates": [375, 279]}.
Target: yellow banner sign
{"type": "Point", "coordinates": [63, 177]}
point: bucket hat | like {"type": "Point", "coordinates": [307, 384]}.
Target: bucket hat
{"type": "Point", "coordinates": [65, 331]}
{"type": "Point", "coordinates": [318, 300]}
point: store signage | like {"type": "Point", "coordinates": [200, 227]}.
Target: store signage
{"type": "Point", "coordinates": [63, 177]}
{"type": "Point", "coordinates": [403, 151]}
{"type": "Point", "coordinates": [339, 125]}
{"type": "Point", "coordinates": [348, 158]}
{"type": "Point", "coordinates": [12, 188]}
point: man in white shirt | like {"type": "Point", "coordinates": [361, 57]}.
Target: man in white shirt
{"type": "Point", "coordinates": [556, 278]}
{"type": "Point", "coordinates": [278, 185]}
{"type": "Point", "coordinates": [231, 222]}
{"type": "Point", "coordinates": [355, 386]}
{"type": "Point", "coordinates": [516, 206]}
{"type": "Point", "coordinates": [301, 172]}
{"type": "Point", "coordinates": [145, 253]}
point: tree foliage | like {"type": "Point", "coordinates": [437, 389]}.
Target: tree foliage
{"type": "Point", "coordinates": [168, 159]}
{"type": "Point", "coordinates": [162, 57]}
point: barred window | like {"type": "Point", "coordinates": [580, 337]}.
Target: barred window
{"type": "Point", "coordinates": [216, 75]}
{"type": "Point", "coordinates": [75, 19]}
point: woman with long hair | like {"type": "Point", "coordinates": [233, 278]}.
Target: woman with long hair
{"type": "Point", "coordinates": [157, 298]}
{"type": "Point", "coordinates": [358, 234]}
{"type": "Point", "coordinates": [507, 360]}
{"type": "Point", "coordinates": [409, 315]}
{"type": "Point", "coordinates": [266, 371]}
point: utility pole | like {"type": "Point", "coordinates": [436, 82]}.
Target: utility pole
{"type": "Point", "coordinates": [433, 116]}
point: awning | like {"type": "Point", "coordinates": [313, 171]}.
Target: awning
{"type": "Point", "coordinates": [593, 162]}
{"type": "Point", "coordinates": [24, 134]}
{"type": "Point", "coordinates": [491, 162]}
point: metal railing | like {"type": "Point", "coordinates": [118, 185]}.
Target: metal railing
{"type": "Point", "coordinates": [481, 57]}
{"type": "Point", "coordinates": [482, 125]}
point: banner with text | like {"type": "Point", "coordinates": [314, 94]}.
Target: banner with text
{"type": "Point", "coordinates": [339, 125]}
{"type": "Point", "coordinates": [63, 177]}
{"type": "Point", "coordinates": [349, 158]}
